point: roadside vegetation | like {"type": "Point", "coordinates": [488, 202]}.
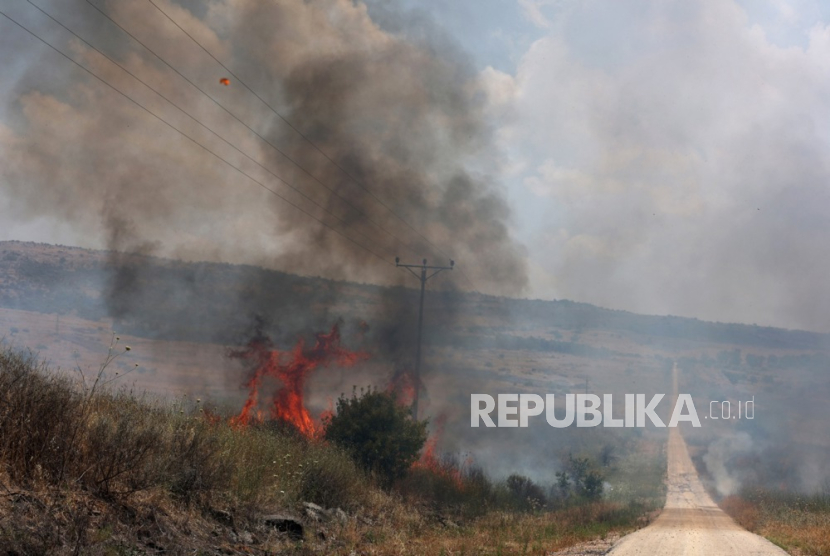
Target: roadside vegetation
{"type": "Point", "coordinates": [797, 523]}
{"type": "Point", "coordinates": [85, 469]}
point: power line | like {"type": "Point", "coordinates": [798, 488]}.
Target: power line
{"type": "Point", "coordinates": [251, 129]}
{"type": "Point", "coordinates": [423, 277]}
{"type": "Point", "coordinates": [262, 185]}
{"type": "Point", "coordinates": [286, 183]}
{"type": "Point", "coordinates": [300, 133]}
{"type": "Point", "coordinates": [304, 136]}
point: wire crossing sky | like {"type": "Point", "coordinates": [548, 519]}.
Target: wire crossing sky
{"type": "Point", "coordinates": [126, 96]}
{"type": "Point", "coordinates": [361, 217]}
{"type": "Point", "coordinates": [659, 157]}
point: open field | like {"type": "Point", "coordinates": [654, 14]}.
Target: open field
{"type": "Point", "coordinates": [52, 300]}
{"type": "Point", "coordinates": [798, 523]}
{"type": "Point", "coordinates": [95, 471]}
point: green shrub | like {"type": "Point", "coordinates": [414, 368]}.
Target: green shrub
{"type": "Point", "coordinates": [526, 494]}
{"type": "Point", "coordinates": [587, 480]}
{"type": "Point", "coordinates": [461, 490]}
{"type": "Point", "coordinates": [378, 433]}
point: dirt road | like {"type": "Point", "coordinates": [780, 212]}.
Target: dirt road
{"type": "Point", "coordinates": [691, 523]}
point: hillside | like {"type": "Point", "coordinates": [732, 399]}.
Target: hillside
{"type": "Point", "coordinates": [181, 317]}
{"type": "Point", "coordinates": [96, 471]}
{"type": "Point", "coordinates": [59, 279]}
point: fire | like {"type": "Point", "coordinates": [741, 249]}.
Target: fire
{"type": "Point", "coordinates": [225, 81]}
{"type": "Point", "coordinates": [402, 386]}
{"type": "Point", "coordinates": [292, 369]}
{"type": "Point", "coordinates": [430, 460]}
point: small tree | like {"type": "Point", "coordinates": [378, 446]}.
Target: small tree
{"type": "Point", "coordinates": [587, 481]}
{"type": "Point", "coordinates": [378, 433]}
{"type": "Point", "coordinates": [592, 484]}
{"type": "Point", "coordinates": [527, 494]}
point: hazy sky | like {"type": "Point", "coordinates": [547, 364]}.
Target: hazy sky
{"type": "Point", "coordinates": [666, 157]}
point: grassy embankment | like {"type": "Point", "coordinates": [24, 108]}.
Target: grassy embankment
{"type": "Point", "coordinates": [88, 470]}
{"type": "Point", "coordinates": [797, 523]}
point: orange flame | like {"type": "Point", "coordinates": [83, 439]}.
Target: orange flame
{"type": "Point", "coordinates": [225, 81]}
{"type": "Point", "coordinates": [430, 460]}
{"type": "Point", "coordinates": [402, 386]}
{"type": "Point", "coordinates": [287, 403]}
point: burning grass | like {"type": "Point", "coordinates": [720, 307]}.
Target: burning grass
{"type": "Point", "coordinates": [291, 369]}
{"type": "Point", "coordinates": [796, 522]}
{"type": "Point", "coordinates": [94, 471]}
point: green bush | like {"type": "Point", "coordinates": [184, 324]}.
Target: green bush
{"type": "Point", "coordinates": [587, 480]}
{"type": "Point", "coordinates": [526, 494]}
{"type": "Point", "coordinates": [378, 433]}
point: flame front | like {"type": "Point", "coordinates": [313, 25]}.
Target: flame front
{"type": "Point", "coordinates": [292, 369]}
{"type": "Point", "coordinates": [402, 386]}
{"type": "Point", "coordinates": [430, 460]}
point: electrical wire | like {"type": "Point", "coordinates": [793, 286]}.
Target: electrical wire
{"type": "Point", "coordinates": [251, 129]}
{"type": "Point", "coordinates": [161, 119]}
{"type": "Point", "coordinates": [196, 120]}
{"type": "Point", "coordinates": [300, 133]}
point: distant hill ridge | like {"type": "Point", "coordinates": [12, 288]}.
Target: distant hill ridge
{"type": "Point", "coordinates": [205, 301]}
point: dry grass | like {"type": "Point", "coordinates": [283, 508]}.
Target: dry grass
{"type": "Point", "coordinates": [797, 523]}
{"type": "Point", "coordinates": [497, 533]}
{"type": "Point", "coordinates": [86, 470]}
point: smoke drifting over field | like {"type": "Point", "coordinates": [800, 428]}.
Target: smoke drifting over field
{"type": "Point", "coordinates": [402, 163]}
{"type": "Point", "coordinates": [636, 217]}
{"type": "Point", "coordinates": [403, 118]}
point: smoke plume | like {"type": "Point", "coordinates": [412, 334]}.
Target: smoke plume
{"type": "Point", "coordinates": [402, 160]}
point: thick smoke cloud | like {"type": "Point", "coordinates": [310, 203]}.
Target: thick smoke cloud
{"type": "Point", "coordinates": [681, 157]}
{"type": "Point", "coordinates": [402, 117]}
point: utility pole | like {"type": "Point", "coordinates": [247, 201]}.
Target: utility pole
{"type": "Point", "coordinates": [423, 277]}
